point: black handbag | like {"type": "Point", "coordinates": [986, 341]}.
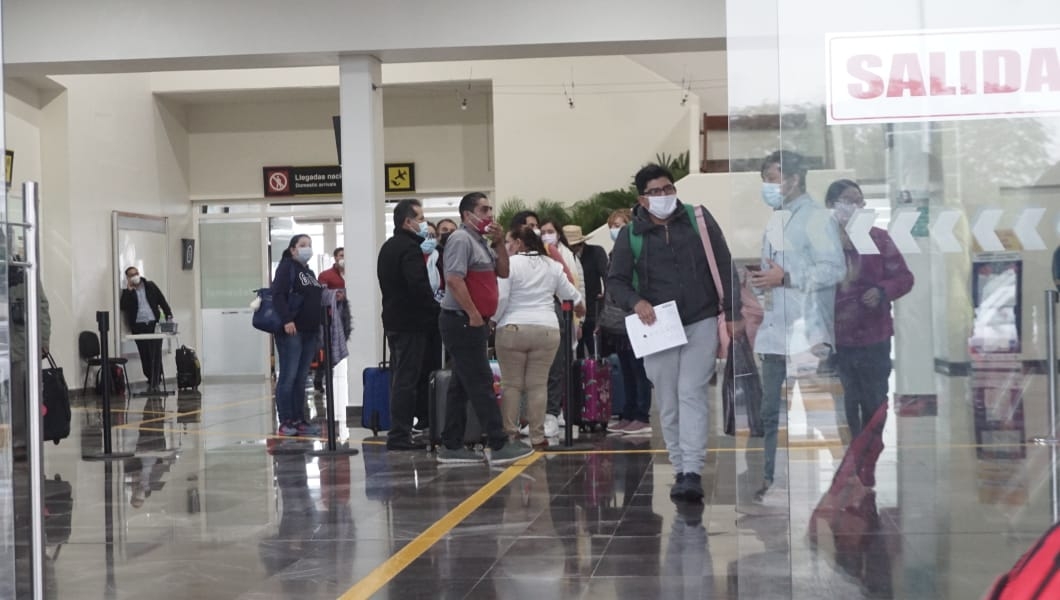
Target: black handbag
{"type": "Point", "coordinates": [611, 318]}
{"type": "Point", "coordinates": [56, 396]}
{"type": "Point", "coordinates": [742, 386]}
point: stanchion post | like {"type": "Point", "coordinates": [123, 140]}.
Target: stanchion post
{"type": "Point", "coordinates": [332, 447]}
{"type": "Point", "coordinates": [103, 324]}
{"type": "Point", "coordinates": [569, 406]}
{"type": "Point", "coordinates": [1051, 298]}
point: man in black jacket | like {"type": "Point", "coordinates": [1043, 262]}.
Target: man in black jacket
{"type": "Point", "coordinates": [594, 268]}
{"type": "Point", "coordinates": [409, 312]}
{"type": "Point", "coordinates": [140, 304]}
{"type": "Point", "coordinates": [671, 265]}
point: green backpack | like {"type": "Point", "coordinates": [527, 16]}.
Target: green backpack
{"type": "Point", "coordinates": [636, 243]}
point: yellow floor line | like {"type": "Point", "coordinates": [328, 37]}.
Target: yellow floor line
{"type": "Point", "coordinates": [190, 412]}
{"type": "Point", "coordinates": [385, 572]}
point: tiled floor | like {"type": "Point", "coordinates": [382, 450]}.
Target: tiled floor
{"type": "Point", "coordinates": [209, 509]}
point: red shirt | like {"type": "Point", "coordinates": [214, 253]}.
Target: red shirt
{"type": "Point", "coordinates": [332, 279]}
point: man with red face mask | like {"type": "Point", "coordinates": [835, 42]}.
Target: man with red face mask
{"type": "Point", "coordinates": [474, 258]}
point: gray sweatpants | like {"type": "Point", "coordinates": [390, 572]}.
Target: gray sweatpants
{"type": "Point", "coordinates": [681, 377]}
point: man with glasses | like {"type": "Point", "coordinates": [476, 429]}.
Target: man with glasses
{"type": "Point", "coordinates": [474, 258]}
{"type": "Point", "coordinates": [668, 263]}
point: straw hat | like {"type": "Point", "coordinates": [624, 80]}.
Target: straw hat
{"type": "Point", "coordinates": [574, 235]}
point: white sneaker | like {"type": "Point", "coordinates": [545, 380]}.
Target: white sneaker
{"type": "Point", "coordinates": [562, 421]}
{"type": "Point", "coordinates": [551, 426]}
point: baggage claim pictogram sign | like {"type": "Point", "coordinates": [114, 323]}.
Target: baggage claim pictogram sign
{"type": "Point", "coordinates": [302, 181]}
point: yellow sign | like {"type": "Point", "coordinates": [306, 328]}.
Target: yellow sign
{"type": "Point", "coordinates": [9, 167]}
{"type": "Point", "coordinates": [400, 177]}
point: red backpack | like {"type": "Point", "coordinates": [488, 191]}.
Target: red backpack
{"type": "Point", "coordinates": [1035, 575]}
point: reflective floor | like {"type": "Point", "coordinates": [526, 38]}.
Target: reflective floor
{"type": "Point", "coordinates": [209, 507]}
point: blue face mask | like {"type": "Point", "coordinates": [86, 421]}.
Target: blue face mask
{"type": "Point", "coordinates": [771, 195]}
{"type": "Point", "coordinates": [423, 229]}
{"type": "Point", "coordinates": [614, 233]}
{"type": "Point", "coordinates": [428, 245]}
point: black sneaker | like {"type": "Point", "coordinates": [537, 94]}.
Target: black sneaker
{"type": "Point", "coordinates": [678, 490]}
{"type": "Point", "coordinates": [693, 487]}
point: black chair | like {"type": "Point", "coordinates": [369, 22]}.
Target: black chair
{"type": "Point", "coordinates": [89, 348]}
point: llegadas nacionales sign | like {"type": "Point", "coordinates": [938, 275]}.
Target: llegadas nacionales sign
{"type": "Point", "coordinates": [943, 74]}
{"type": "Point", "coordinates": [302, 181]}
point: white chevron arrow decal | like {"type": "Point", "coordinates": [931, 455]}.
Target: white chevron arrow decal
{"type": "Point", "coordinates": [1026, 228]}
{"type": "Point", "coordinates": [984, 228]}
{"type": "Point", "coordinates": [858, 230]}
{"type": "Point", "coordinates": [942, 231]}
{"type": "Point", "coordinates": [901, 230]}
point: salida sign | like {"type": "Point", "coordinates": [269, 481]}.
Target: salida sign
{"type": "Point", "coordinates": [937, 75]}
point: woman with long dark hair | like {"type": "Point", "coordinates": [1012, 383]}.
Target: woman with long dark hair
{"type": "Point", "coordinates": [528, 332]}
{"type": "Point", "coordinates": [296, 297]}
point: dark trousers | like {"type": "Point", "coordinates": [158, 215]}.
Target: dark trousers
{"type": "Point", "coordinates": [150, 354]}
{"type": "Point", "coordinates": [863, 371]}
{"type": "Point", "coordinates": [406, 370]}
{"type": "Point", "coordinates": [774, 374]}
{"type": "Point", "coordinates": [555, 373]}
{"type": "Point", "coordinates": [432, 361]}
{"type": "Point", "coordinates": [637, 387]}
{"type": "Point", "coordinates": [587, 345]}
{"type": "Point", "coordinates": [472, 381]}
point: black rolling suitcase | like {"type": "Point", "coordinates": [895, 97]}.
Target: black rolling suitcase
{"type": "Point", "coordinates": [438, 391]}
{"type": "Point", "coordinates": [189, 371]}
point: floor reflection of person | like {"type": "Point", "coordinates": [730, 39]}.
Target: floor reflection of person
{"type": "Point", "coordinates": [863, 322]}
{"type": "Point", "coordinates": [299, 516]}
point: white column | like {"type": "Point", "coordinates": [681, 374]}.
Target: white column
{"type": "Point", "coordinates": [361, 109]}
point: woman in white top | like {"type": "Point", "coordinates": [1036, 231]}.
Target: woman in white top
{"type": "Point", "coordinates": [528, 331]}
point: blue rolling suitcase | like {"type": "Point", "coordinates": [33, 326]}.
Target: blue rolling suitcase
{"type": "Point", "coordinates": [375, 408]}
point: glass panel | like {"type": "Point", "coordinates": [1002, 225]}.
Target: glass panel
{"type": "Point", "coordinates": [233, 267]}
{"type": "Point", "coordinates": [7, 403]}
{"type": "Point", "coordinates": [904, 467]}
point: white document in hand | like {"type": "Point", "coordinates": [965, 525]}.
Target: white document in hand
{"type": "Point", "coordinates": [666, 333]}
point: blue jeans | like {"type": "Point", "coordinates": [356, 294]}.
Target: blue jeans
{"type": "Point", "coordinates": [774, 372]}
{"type": "Point", "coordinates": [637, 387]}
{"type": "Point", "coordinates": [294, 353]}
{"type": "Point", "coordinates": [863, 371]}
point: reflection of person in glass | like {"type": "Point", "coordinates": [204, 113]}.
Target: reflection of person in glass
{"type": "Point", "coordinates": [863, 322]}
{"type": "Point", "coordinates": [848, 510]}
{"type": "Point", "coordinates": [798, 280]}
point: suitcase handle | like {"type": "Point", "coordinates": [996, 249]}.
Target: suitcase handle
{"type": "Point", "coordinates": [51, 361]}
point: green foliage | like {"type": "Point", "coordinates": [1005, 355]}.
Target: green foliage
{"type": "Point", "coordinates": [550, 210]}
{"type": "Point", "coordinates": [677, 165]}
{"type": "Point", "coordinates": [508, 210]}
{"type": "Point", "coordinates": [593, 213]}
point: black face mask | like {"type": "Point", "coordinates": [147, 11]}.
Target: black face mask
{"type": "Point", "coordinates": [444, 238]}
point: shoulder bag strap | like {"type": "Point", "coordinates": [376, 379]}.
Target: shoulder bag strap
{"type": "Point", "coordinates": [723, 331]}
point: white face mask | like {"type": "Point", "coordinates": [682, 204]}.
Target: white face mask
{"type": "Point", "coordinates": [843, 212]}
{"type": "Point", "coordinates": [304, 254]}
{"type": "Point", "coordinates": [771, 195]}
{"type": "Point", "coordinates": [135, 280]}
{"type": "Point", "coordinates": [661, 207]}
{"type": "Point", "coordinates": [614, 233]}
{"type": "Point", "coordinates": [550, 238]}
{"type": "Point", "coordinates": [342, 263]}
{"type": "Point", "coordinates": [537, 232]}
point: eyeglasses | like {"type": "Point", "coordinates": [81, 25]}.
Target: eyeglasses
{"type": "Point", "coordinates": [663, 191]}
{"type": "Point", "coordinates": [853, 201]}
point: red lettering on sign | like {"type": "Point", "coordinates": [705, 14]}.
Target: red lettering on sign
{"type": "Point", "coordinates": [1043, 69]}
{"type": "Point", "coordinates": [1001, 71]}
{"type": "Point", "coordinates": [969, 73]}
{"type": "Point", "coordinates": [871, 85]}
{"type": "Point", "coordinates": [938, 76]}
{"type": "Point", "coordinates": [906, 76]}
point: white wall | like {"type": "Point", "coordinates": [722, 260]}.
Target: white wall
{"type": "Point", "coordinates": [230, 142]}
{"type": "Point", "coordinates": [106, 146]}
{"type": "Point", "coordinates": [544, 149]}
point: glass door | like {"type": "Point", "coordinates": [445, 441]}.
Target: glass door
{"type": "Point", "coordinates": [902, 355]}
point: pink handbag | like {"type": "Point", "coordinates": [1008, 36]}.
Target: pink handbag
{"type": "Point", "coordinates": [751, 310]}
